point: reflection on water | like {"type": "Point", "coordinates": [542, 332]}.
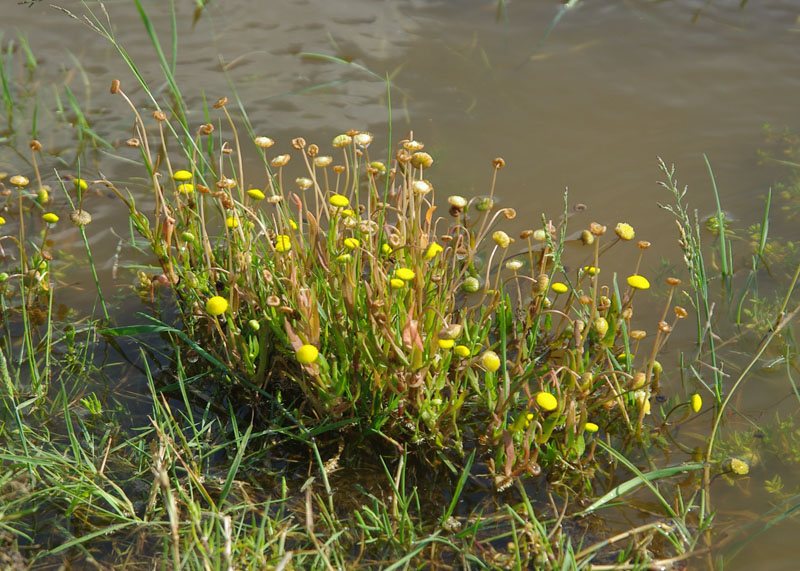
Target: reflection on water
{"type": "Point", "coordinates": [613, 86]}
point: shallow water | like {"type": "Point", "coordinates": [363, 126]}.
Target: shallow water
{"type": "Point", "coordinates": [612, 87]}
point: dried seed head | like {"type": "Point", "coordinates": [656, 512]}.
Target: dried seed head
{"type": "Point", "coordinates": [643, 244]}
{"type": "Point", "coordinates": [280, 160]}
{"type": "Point", "coordinates": [509, 213]}
{"type": "Point", "coordinates": [498, 163]}
{"type": "Point", "coordinates": [421, 160]}
{"type": "Point", "coordinates": [395, 241]}
{"type": "Point", "coordinates": [597, 229]}
{"type": "Point", "coordinates": [159, 115]}
{"type": "Point", "coordinates": [457, 201]}
{"type": "Point", "coordinates": [413, 146]}
{"type": "Point", "coordinates": [540, 235]}
{"type": "Point", "coordinates": [322, 161]}
{"type": "Point", "coordinates": [451, 331]}
{"type": "Point", "coordinates": [132, 142]}
{"type": "Point", "coordinates": [627, 313]}
{"type": "Point", "coordinates": [226, 183]}
{"type": "Point", "coordinates": [673, 281]}
{"type": "Point", "coordinates": [338, 169]}
{"type": "Point", "coordinates": [484, 204]}
{"type": "Point", "coordinates": [202, 188]}
{"type": "Point", "coordinates": [421, 187]}
{"type": "Point", "coordinates": [541, 284]}
{"type": "Point", "coordinates": [115, 86]}
{"type": "Point", "coordinates": [313, 150]}
{"type": "Point", "coordinates": [263, 142]}
{"type": "Point", "coordinates": [303, 182]}
{"type": "Point", "coordinates": [226, 150]}
{"type": "Point", "coordinates": [501, 239]}
{"type": "Point", "coordinates": [206, 129]}
{"type": "Point", "coordinates": [639, 380]}
{"type": "Point", "coordinates": [340, 141]}
{"type": "Point", "coordinates": [584, 300]}
{"type": "Point", "coordinates": [274, 199]}
{"type": "Point", "coordinates": [298, 144]}
{"type": "Point", "coordinates": [80, 217]}
{"type": "Point", "coordinates": [525, 234]}
{"type": "Point", "coordinates": [363, 139]}
{"type": "Point", "coordinates": [638, 334]}
{"type": "Point", "coordinates": [221, 102]}
{"type": "Point", "coordinates": [19, 180]}
{"type": "Point", "coordinates": [680, 312]}
{"type": "Point", "coordinates": [403, 156]}
{"type": "Point", "coordinates": [587, 238]}
{"type": "Point", "coordinates": [664, 327]}
{"type": "Point", "coordinates": [514, 265]}
{"type": "Point", "coordinates": [273, 301]}
{"type": "Point", "coordinates": [35, 145]}
{"type": "Point", "coordinates": [368, 226]}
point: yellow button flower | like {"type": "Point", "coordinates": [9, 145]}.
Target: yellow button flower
{"type": "Point", "coordinates": [307, 354]}
{"type": "Point", "coordinates": [546, 401]}
{"type": "Point", "coordinates": [697, 402]}
{"type": "Point", "coordinates": [80, 184]}
{"type": "Point", "coordinates": [386, 249]}
{"type": "Point", "coordinates": [397, 283]}
{"type": "Point", "coordinates": [462, 351]}
{"type": "Point", "coordinates": [624, 231]}
{"type": "Point", "coordinates": [256, 194]}
{"type": "Point", "coordinates": [50, 217]}
{"type": "Point", "coordinates": [231, 222]}
{"type": "Point", "coordinates": [591, 427]}
{"type": "Point", "coordinates": [432, 250]}
{"type": "Point", "coordinates": [339, 200]}
{"type": "Point", "coordinates": [446, 343]}
{"type": "Point", "coordinates": [501, 239]}
{"type": "Point", "coordinates": [217, 305]}
{"type": "Point", "coordinates": [182, 175]}
{"type": "Point", "coordinates": [558, 287]}
{"type": "Point", "coordinates": [186, 188]}
{"type": "Point", "coordinates": [638, 282]}
{"type": "Point", "coordinates": [352, 243]}
{"type": "Point", "coordinates": [591, 270]}
{"type": "Point", "coordinates": [490, 361]}
{"type": "Point", "coordinates": [404, 274]}
{"type": "Point", "coordinates": [282, 243]}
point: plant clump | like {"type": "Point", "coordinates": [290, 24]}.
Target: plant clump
{"type": "Point", "coordinates": [346, 297]}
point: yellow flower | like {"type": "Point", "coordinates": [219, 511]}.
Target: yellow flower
{"type": "Point", "coordinates": [231, 222]}
{"type": "Point", "coordinates": [396, 283]}
{"type": "Point", "coordinates": [558, 287]}
{"type": "Point", "coordinates": [186, 188]}
{"type": "Point", "coordinates": [591, 270]}
{"type": "Point", "coordinates": [2, 220]}
{"type": "Point", "coordinates": [50, 217]}
{"type": "Point", "coordinates": [643, 399]}
{"type": "Point", "coordinates": [624, 231]}
{"type": "Point", "coordinates": [638, 282]}
{"type": "Point", "coordinates": [738, 466]}
{"type": "Point", "coordinates": [462, 351]}
{"type": "Point", "coordinates": [591, 427]}
{"type": "Point", "coordinates": [282, 243]}
{"type": "Point", "coordinates": [349, 212]}
{"type": "Point", "coordinates": [80, 184]}
{"type": "Point", "coordinates": [339, 200]}
{"type": "Point", "coordinates": [404, 274]}
{"type": "Point", "coordinates": [42, 196]}
{"type": "Point", "coordinates": [292, 224]}
{"type": "Point", "coordinates": [344, 258]}
{"type": "Point", "coordinates": [352, 243]}
{"type": "Point", "coordinates": [256, 194]}
{"type": "Point", "coordinates": [386, 249]}
{"type": "Point", "coordinates": [490, 361]}
{"type": "Point", "coordinates": [182, 175]}
{"type": "Point", "coordinates": [307, 354]}
{"type": "Point", "coordinates": [546, 401]}
{"type": "Point", "coordinates": [217, 305]}
{"type": "Point", "coordinates": [446, 343]}
{"type": "Point", "coordinates": [342, 140]}
{"type": "Point", "coordinates": [432, 250]}
{"type": "Point", "coordinates": [697, 402]}
{"type": "Point", "coordinates": [501, 239]}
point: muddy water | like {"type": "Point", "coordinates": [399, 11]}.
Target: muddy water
{"type": "Point", "coordinates": [589, 108]}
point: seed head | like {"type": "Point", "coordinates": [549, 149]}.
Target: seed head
{"type": "Point", "coordinates": [298, 144]}
{"type": "Point", "coordinates": [664, 327]}
{"type": "Point", "coordinates": [35, 145]}
{"type": "Point", "coordinates": [680, 312]}
{"type": "Point", "coordinates": [263, 142]}
{"type": "Point", "coordinates": [413, 146]}
{"type": "Point", "coordinates": [206, 129]}
{"type": "Point", "coordinates": [643, 244]}
{"type": "Point", "coordinates": [638, 334]}
{"type": "Point", "coordinates": [132, 142]}
{"type": "Point", "coordinates": [322, 161]}
{"type": "Point", "coordinates": [587, 238]}
{"type": "Point", "coordinates": [471, 285]}
{"type": "Point", "coordinates": [159, 115]}
{"type": "Point", "coordinates": [509, 213]}
{"type": "Point", "coordinates": [525, 234]}
{"type": "Point", "coordinates": [540, 235]}
{"type": "Point", "coordinates": [639, 380]}
{"type": "Point", "coordinates": [363, 139]}
{"type": "Point", "coordinates": [457, 201]}
{"type": "Point", "coordinates": [514, 265]}
{"type": "Point", "coordinates": [421, 160]}
{"type": "Point", "coordinates": [221, 102]}
{"type": "Point", "coordinates": [80, 217]}
{"type": "Point", "coordinates": [501, 239]}
{"type": "Point", "coordinates": [303, 182]}
{"type": "Point", "coordinates": [19, 180]}
{"type": "Point", "coordinates": [498, 163]}
{"type": "Point", "coordinates": [673, 281]}
{"type": "Point", "coordinates": [597, 229]}
{"type": "Point", "coordinates": [280, 160]}
{"type": "Point", "coordinates": [421, 187]}
{"type": "Point", "coordinates": [601, 326]}
{"type": "Point", "coordinates": [115, 86]}
{"type": "Point", "coordinates": [343, 140]}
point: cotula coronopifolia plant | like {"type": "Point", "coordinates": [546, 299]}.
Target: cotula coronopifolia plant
{"type": "Point", "coordinates": [339, 280]}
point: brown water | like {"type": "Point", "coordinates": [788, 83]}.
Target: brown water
{"type": "Point", "coordinates": [615, 85]}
